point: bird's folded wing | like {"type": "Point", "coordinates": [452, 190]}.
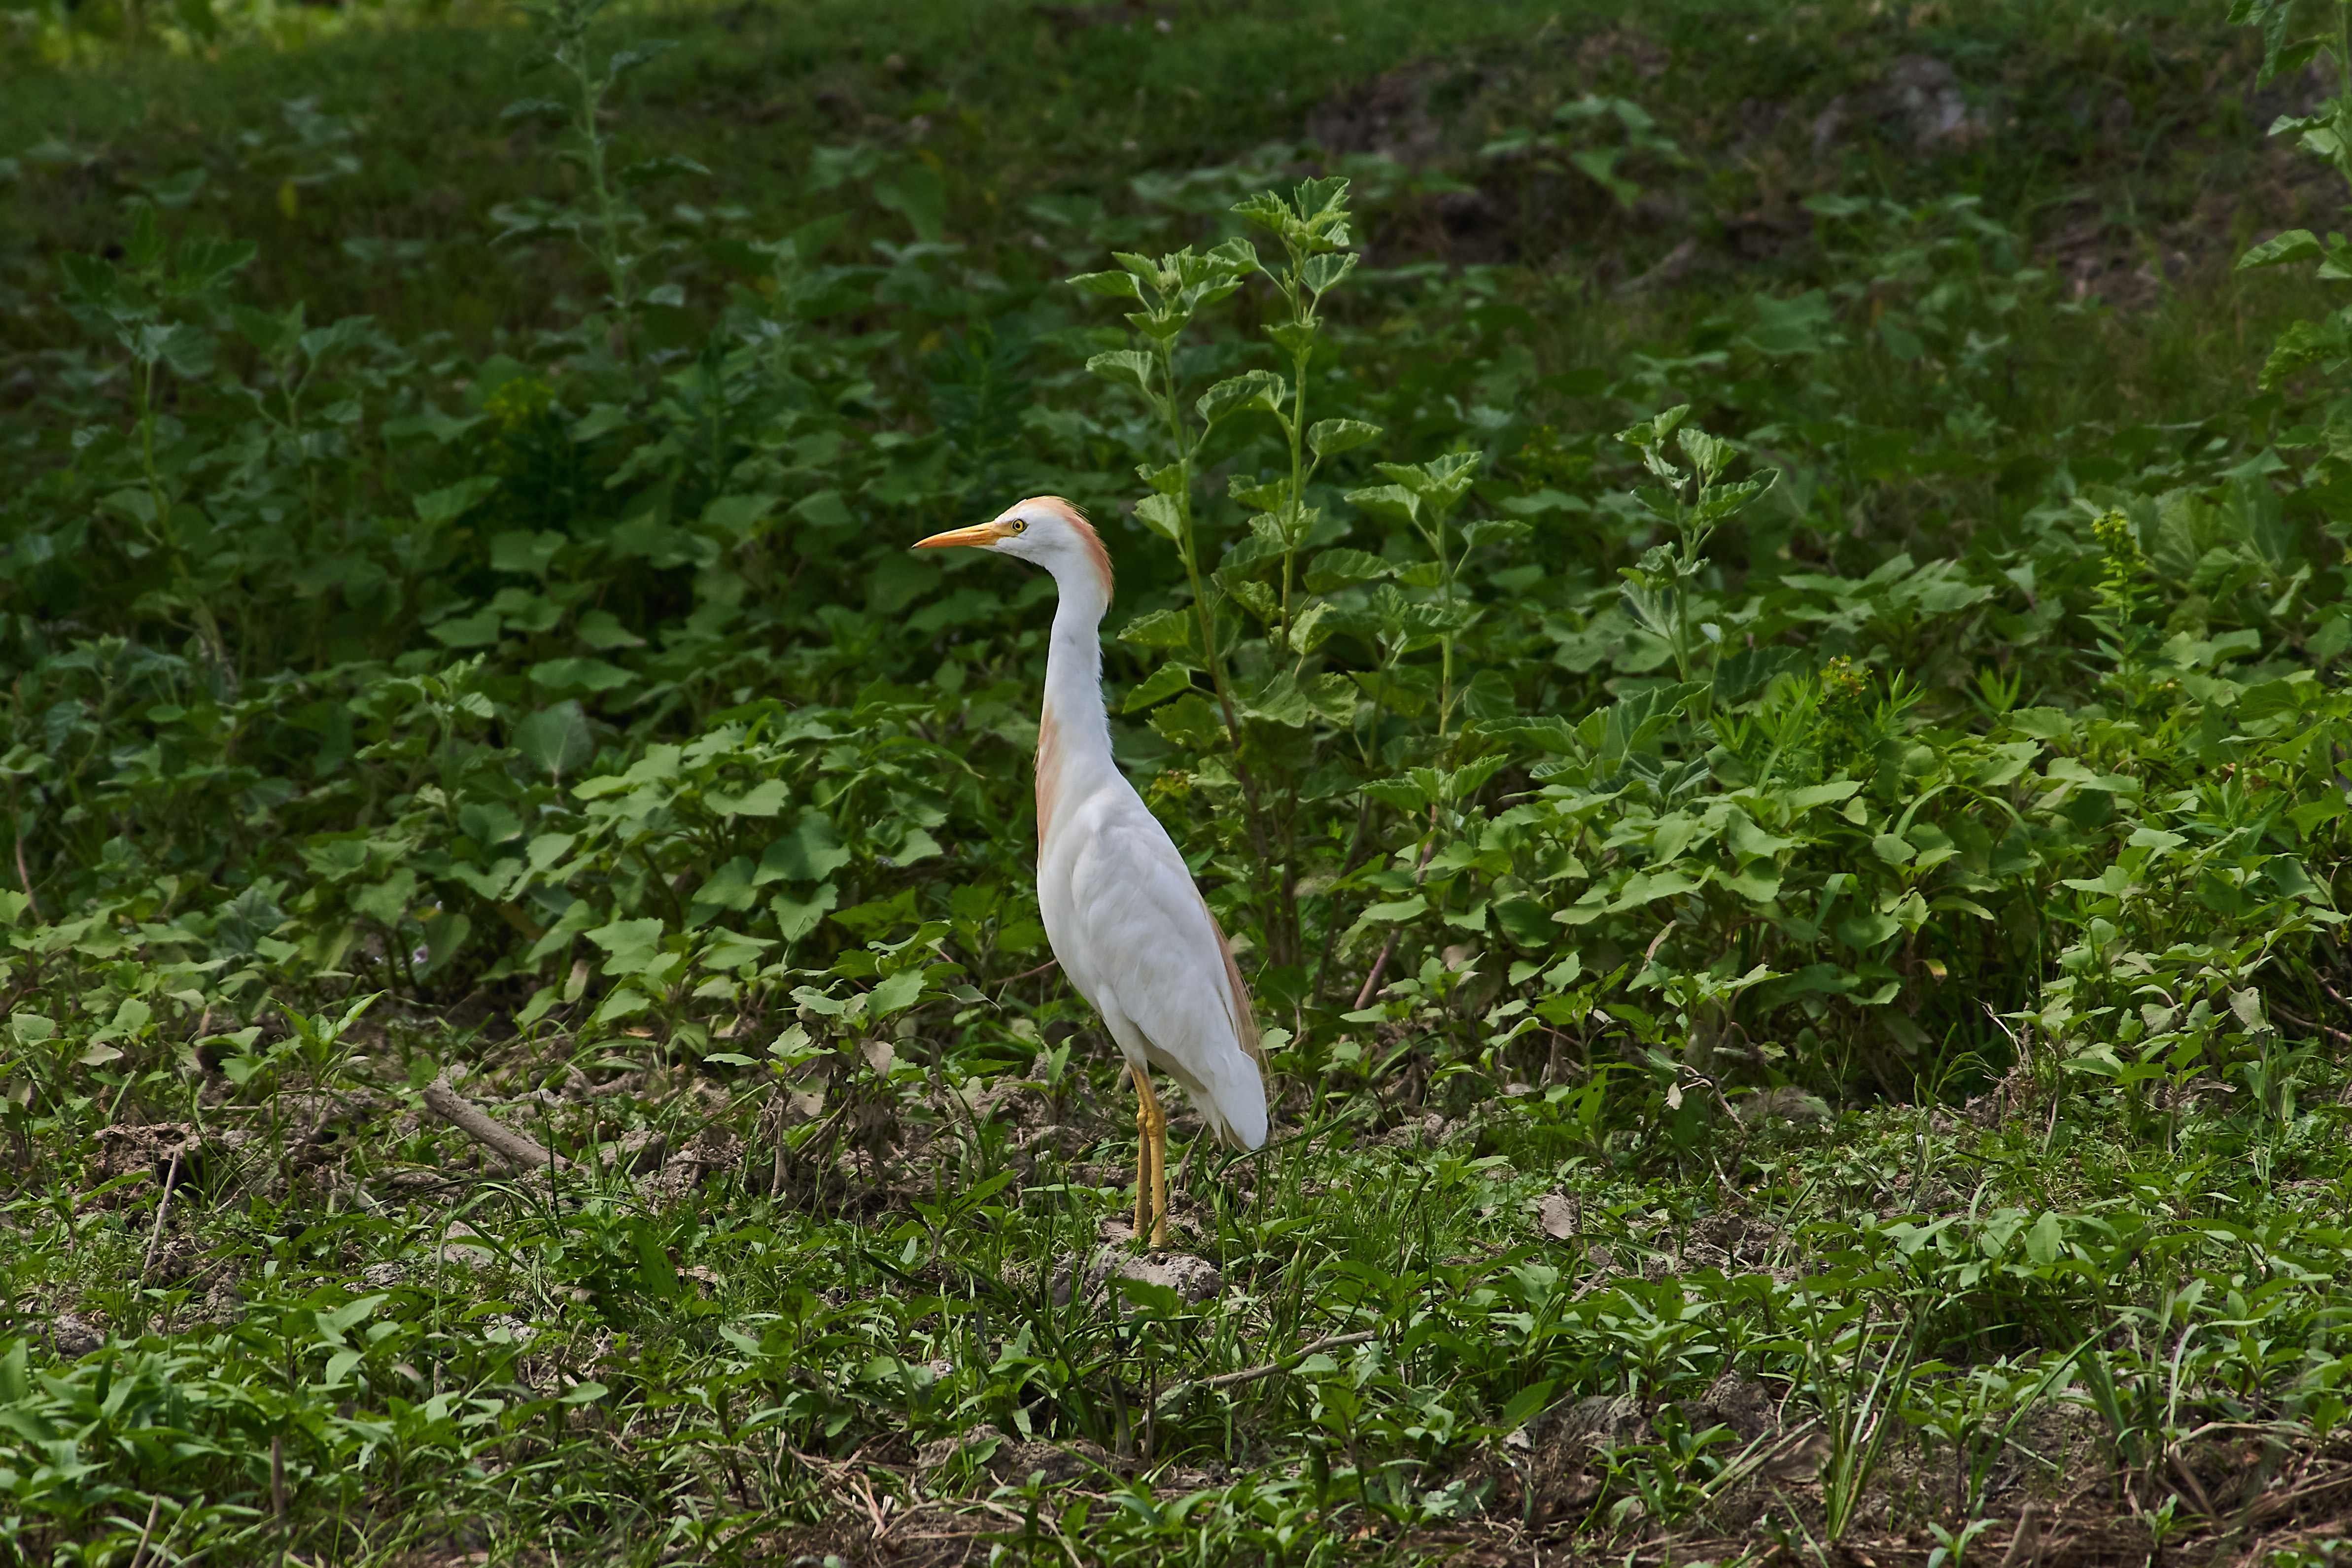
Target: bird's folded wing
{"type": "Point", "coordinates": [1150, 941]}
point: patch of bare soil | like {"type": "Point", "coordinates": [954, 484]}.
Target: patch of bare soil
{"type": "Point", "coordinates": [946, 1507]}
{"type": "Point", "coordinates": [2153, 196]}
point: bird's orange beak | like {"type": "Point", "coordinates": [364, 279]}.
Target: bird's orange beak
{"type": "Point", "coordinates": [982, 535]}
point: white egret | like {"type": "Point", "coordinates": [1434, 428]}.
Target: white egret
{"type": "Point", "coordinates": [1129, 928]}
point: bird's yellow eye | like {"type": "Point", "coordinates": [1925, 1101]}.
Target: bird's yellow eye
{"type": "Point", "coordinates": [1018, 526]}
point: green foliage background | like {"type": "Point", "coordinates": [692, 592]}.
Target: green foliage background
{"type": "Point", "coordinates": [455, 553]}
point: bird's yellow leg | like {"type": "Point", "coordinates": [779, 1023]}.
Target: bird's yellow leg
{"type": "Point", "coordinates": [1150, 1162]}
{"type": "Point", "coordinates": [1159, 1174]}
{"type": "Point", "coordinates": [1142, 1150]}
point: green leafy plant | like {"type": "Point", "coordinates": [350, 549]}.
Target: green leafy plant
{"type": "Point", "coordinates": [1770, 754]}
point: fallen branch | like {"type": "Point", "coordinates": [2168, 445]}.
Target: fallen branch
{"type": "Point", "coordinates": [2302, 1023]}
{"type": "Point", "coordinates": [515, 1148]}
{"type": "Point", "coordinates": [139, 1553]}
{"type": "Point", "coordinates": [1226, 1379]}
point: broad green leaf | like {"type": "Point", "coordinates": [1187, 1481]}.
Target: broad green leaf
{"type": "Point", "coordinates": [345, 1318]}
{"type": "Point", "coordinates": [738, 517]}
{"type": "Point", "coordinates": [514, 551]}
{"type": "Point", "coordinates": [825, 510]}
{"type": "Point", "coordinates": [436, 509]}
{"type": "Point", "coordinates": [1260, 391]}
{"type": "Point", "coordinates": [387, 901]}
{"type": "Point", "coordinates": [796, 917]}
{"type": "Point", "coordinates": [578, 675]}
{"type": "Point", "coordinates": [1279, 702]}
{"type": "Point", "coordinates": [2293, 245]}
{"type": "Point", "coordinates": [1393, 502]}
{"type": "Point", "coordinates": [1784, 328]}
{"type": "Point", "coordinates": [477, 630]}
{"type": "Point", "coordinates": [545, 108]}
{"type": "Point", "coordinates": [1161, 628]}
{"type": "Point", "coordinates": [630, 944]}
{"type": "Point", "coordinates": [2045, 1243]}
{"type": "Point", "coordinates": [655, 1275]}
{"type": "Point", "coordinates": [1190, 722]}
{"type": "Point", "coordinates": [731, 950]}
{"type": "Point", "coordinates": [1750, 842]}
{"type": "Point", "coordinates": [917, 192]}
{"type": "Point", "coordinates": [1867, 931]}
{"type": "Point", "coordinates": [1338, 568]}
{"type": "Point", "coordinates": [1322, 272]}
{"type": "Point", "coordinates": [765, 798]}
{"type": "Point", "coordinates": [601, 629]}
{"type": "Point", "coordinates": [1128, 367]}
{"type": "Point", "coordinates": [1159, 514]}
{"type": "Point", "coordinates": [1158, 685]}
{"type": "Point", "coordinates": [727, 887]}
{"type": "Point", "coordinates": [556, 740]}
{"type": "Point", "coordinates": [202, 263]}
{"type": "Point", "coordinates": [1328, 438]}
{"type": "Point", "coordinates": [1397, 910]}
{"type": "Point", "coordinates": [1526, 922]}
{"type": "Point", "coordinates": [1115, 285]}
{"type": "Point", "coordinates": [810, 853]}
{"type": "Point", "coordinates": [896, 993]}
{"type": "Point", "coordinates": [1150, 1297]}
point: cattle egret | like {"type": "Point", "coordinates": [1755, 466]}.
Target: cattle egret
{"type": "Point", "coordinates": [1126, 921]}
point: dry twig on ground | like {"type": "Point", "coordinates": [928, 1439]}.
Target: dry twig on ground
{"type": "Point", "coordinates": [517, 1148]}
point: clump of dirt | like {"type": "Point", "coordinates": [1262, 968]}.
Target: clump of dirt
{"type": "Point", "coordinates": [168, 1153]}
{"type": "Point", "coordinates": [1194, 1279]}
{"type": "Point", "coordinates": [1916, 103]}
{"type": "Point", "coordinates": [985, 1455]}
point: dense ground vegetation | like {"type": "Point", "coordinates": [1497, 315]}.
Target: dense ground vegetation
{"type": "Point", "coordinates": [1740, 609]}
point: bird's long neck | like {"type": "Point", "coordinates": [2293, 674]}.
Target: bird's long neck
{"type": "Point", "coordinates": [1074, 731]}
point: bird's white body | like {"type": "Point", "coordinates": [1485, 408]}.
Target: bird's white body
{"type": "Point", "coordinates": [1121, 911]}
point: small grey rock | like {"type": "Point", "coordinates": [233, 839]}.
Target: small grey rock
{"type": "Point", "coordinates": [1195, 1280]}
{"type": "Point", "coordinates": [74, 1337]}
{"type": "Point", "coordinates": [465, 1256]}
{"type": "Point", "coordinates": [640, 1152]}
{"type": "Point", "coordinates": [1742, 1404]}
{"type": "Point", "coordinates": [383, 1276]}
{"type": "Point", "coordinates": [1602, 1422]}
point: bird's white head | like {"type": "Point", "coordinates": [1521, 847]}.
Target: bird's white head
{"type": "Point", "coordinates": [1045, 530]}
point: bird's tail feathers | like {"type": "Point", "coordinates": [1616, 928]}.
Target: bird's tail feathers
{"type": "Point", "coordinates": [1242, 1108]}
{"type": "Point", "coordinates": [1237, 1004]}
